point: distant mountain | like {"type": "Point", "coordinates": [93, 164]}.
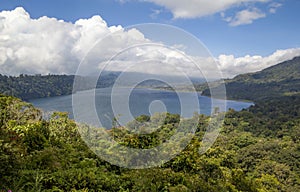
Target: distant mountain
{"type": "Point", "coordinates": [29, 87]}
{"type": "Point", "coordinates": [279, 80]}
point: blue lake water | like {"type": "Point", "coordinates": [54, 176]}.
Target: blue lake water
{"type": "Point", "coordinates": [140, 101]}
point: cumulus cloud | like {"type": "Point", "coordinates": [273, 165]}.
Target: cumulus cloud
{"type": "Point", "coordinates": [232, 66]}
{"type": "Point", "coordinates": [200, 8]}
{"type": "Point", "coordinates": [245, 17]}
{"type": "Point", "coordinates": [35, 46]}
{"type": "Point", "coordinates": [47, 45]}
{"type": "Point", "coordinates": [190, 9]}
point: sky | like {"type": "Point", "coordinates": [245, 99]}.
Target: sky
{"type": "Point", "coordinates": [53, 36]}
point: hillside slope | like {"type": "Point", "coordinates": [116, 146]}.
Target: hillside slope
{"type": "Point", "coordinates": [279, 80]}
{"type": "Point", "coordinates": [29, 87]}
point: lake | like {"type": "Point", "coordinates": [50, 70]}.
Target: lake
{"type": "Point", "coordinates": [140, 101]}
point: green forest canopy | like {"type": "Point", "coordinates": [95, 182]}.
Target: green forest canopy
{"type": "Point", "coordinates": [258, 150]}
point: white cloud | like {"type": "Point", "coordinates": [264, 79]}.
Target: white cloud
{"type": "Point", "coordinates": [199, 8]}
{"type": "Point", "coordinates": [245, 17]}
{"type": "Point", "coordinates": [231, 66]}
{"type": "Point", "coordinates": [274, 6]}
{"type": "Point", "coordinates": [189, 9]}
{"type": "Point", "coordinates": [47, 45]}
{"type": "Point", "coordinates": [34, 45]}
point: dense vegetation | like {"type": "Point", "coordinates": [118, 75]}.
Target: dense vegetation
{"type": "Point", "coordinates": [29, 87]}
{"type": "Point", "coordinates": [279, 80]}
{"type": "Point", "coordinates": [258, 150]}
{"type": "Point", "coordinates": [37, 86]}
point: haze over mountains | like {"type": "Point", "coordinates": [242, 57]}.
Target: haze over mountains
{"type": "Point", "coordinates": [279, 80]}
{"type": "Point", "coordinates": [29, 87]}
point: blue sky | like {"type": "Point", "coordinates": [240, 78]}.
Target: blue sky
{"type": "Point", "coordinates": [228, 29]}
{"type": "Point", "coordinates": [276, 31]}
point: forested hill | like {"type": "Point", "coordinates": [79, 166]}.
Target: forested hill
{"type": "Point", "coordinates": [280, 80]}
{"type": "Point", "coordinates": [36, 86]}
{"type": "Point", "coordinates": [29, 87]}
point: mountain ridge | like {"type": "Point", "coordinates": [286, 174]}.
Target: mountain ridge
{"type": "Point", "coordinates": [278, 80]}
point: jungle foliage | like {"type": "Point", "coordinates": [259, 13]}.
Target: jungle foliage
{"type": "Point", "coordinates": [258, 149]}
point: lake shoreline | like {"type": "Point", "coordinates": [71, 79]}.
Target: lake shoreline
{"type": "Point", "coordinates": [140, 101]}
